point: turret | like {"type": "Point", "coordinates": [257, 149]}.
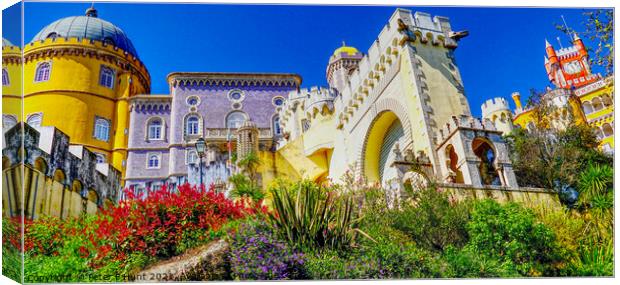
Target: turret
{"type": "Point", "coordinates": [580, 46]}
{"type": "Point", "coordinates": [550, 52]}
{"type": "Point", "coordinates": [516, 97]}
{"type": "Point", "coordinates": [247, 139]}
{"type": "Point", "coordinates": [498, 111]}
{"type": "Point", "coordinates": [342, 63]}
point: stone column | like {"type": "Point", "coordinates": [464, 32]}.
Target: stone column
{"type": "Point", "coordinates": [471, 172]}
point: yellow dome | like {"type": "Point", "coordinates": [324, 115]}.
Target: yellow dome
{"type": "Point", "coordinates": [349, 50]}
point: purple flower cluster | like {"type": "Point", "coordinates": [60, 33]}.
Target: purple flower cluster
{"type": "Point", "coordinates": [256, 254]}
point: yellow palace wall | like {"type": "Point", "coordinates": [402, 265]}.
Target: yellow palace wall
{"type": "Point", "coordinates": [72, 97]}
{"type": "Point", "coordinates": [11, 93]}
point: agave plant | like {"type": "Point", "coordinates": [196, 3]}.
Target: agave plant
{"type": "Point", "coordinates": [311, 216]}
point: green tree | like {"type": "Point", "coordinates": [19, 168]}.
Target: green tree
{"type": "Point", "coordinates": [554, 147]}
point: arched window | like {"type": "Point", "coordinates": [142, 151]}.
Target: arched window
{"type": "Point", "coordinates": [599, 133]}
{"type": "Point", "coordinates": [597, 105]}
{"type": "Point", "coordinates": [192, 125]}
{"type": "Point", "coordinates": [607, 130]}
{"type": "Point", "coordinates": [8, 121]}
{"type": "Point", "coordinates": [106, 77]}
{"type": "Point", "coordinates": [153, 160]}
{"type": "Point", "coordinates": [5, 78]}
{"type": "Point", "coordinates": [192, 157]}
{"type": "Point", "coordinates": [276, 126]}
{"type": "Point", "coordinates": [100, 157]}
{"type": "Point", "coordinates": [102, 129]}
{"type": "Point", "coordinates": [43, 72]}
{"type": "Point", "coordinates": [235, 119]}
{"type": "Point", "coordinates": [607, 100]}
{"type": "Point", "coordinates": [34, 120]}
{"type": "Point", "coordinates": [484, 151]}
{"type": "Point", "coordinates": [52, 35]}
{"type": "Point", "coordinates": [155, 129]}
{"type": "Point", "coordinates": [587, 107]}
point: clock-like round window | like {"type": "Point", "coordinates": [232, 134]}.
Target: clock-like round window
{"type": "Point", "coordinates": [193, 100]}
{"type": "Point", "coordinates": [278, 101]}
{"type": "Point", "coordinates": [236, 95]}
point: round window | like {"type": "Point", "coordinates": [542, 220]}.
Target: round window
{"type": "Point", "coordinates": [278, 101]}
{"type": "Point", "coordinates": [235, 95]}
{"type": "Point", "coordinates": [193, 101]}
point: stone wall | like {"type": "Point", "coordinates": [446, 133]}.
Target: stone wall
{"type": "Point", "coordinates": [529, 197]}
{"type": "Point", "coordinates": [54, 178]}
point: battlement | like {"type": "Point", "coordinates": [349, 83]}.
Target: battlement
{"type": "Point", "coordinates": [493, 105]}
{"type": "Point", "coordinates": [402, 26]}
{"type": "Point", "coordinates": [465, 122]}
{"type": "Point", "coordinates": [567, 52]}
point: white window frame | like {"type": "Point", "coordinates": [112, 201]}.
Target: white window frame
{"type": "Point", "coordinates": [98, 131]}
{"type": "Point", "coordinates": [6, 81]}
{"type": "Point", "coordinates": [186, 126]}
{"type": "Point", "coordinates": [49, 72]}
{"type": "Point", "coordinates": [101, 156]}
{"type": "Point", "coordinates": [110, 77]}
{"type": "Point", "coordinates": [279, 125]}
{"type": "Point", "coordinates": [161, 128]}
{"type": "Point", "coordinates": [6, 119]}
{"type": "Point", "coordinates": [245, 116]}
{"type": "Point", "coordinates": [40, 120]}
{"type": "Point", "coordinates": [148, 160]}
{"type": "Point", "coordinates": [188, 153]}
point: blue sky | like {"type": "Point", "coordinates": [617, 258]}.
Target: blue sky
{"type": "Point", "coordinates": [503, 53]}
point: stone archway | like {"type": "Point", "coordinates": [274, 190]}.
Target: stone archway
{"type": "Point", "coordinates": [388, 113]}
{"type": "Point", "coordinates": [381, 137]}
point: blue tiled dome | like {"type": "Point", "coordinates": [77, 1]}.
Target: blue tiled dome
{"type": "Point", "coordinates": [89, 27]}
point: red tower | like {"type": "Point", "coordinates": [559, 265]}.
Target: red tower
{"type": "Point", "coordinates": [568, 67]}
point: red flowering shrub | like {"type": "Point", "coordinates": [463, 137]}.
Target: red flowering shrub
{"type": "Point", "coordinates": [159, 226]}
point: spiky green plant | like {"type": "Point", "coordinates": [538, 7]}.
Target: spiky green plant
{"type": "Point", "coordinates": [596, 197]}
{"type": "Point", "coordinates": [596, 259]}
{"type": "Point", "coordinates": [312, 217]}
{"type": "Point", "coordinates": [595, 182]}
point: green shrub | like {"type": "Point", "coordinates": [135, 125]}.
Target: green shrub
{"type": "Point", "coordinates": [383, 261]}
{"type": "Point", "coordinates": [467, 263]}
{"type": "Point", "coordinates": [433, 222]}
{"type": "Point", "coordinates": [311, 216]}
{"type": "Point", "coordinates": [511, 233]}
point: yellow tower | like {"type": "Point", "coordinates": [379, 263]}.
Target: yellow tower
{"type": "Point", "coordinates": [11, 84]}
{"type": "Point", "coordinates": [78, 75]}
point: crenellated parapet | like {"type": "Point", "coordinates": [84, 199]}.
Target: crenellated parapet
{"type": "Point", "coordinates": [48, 150]}
{"type": "Point", "coordinates": [466, 122]}
{"type": "Point", "coordinates": [60, 46]}
{"type": "Point", "coordinates": [11, 54]}
{"type": "Point", "coordinates": [381, 63]}
{"type": "Point", "coordinates": [494, 105]}
{"type": "Point", "coordinates": [318, 100]}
